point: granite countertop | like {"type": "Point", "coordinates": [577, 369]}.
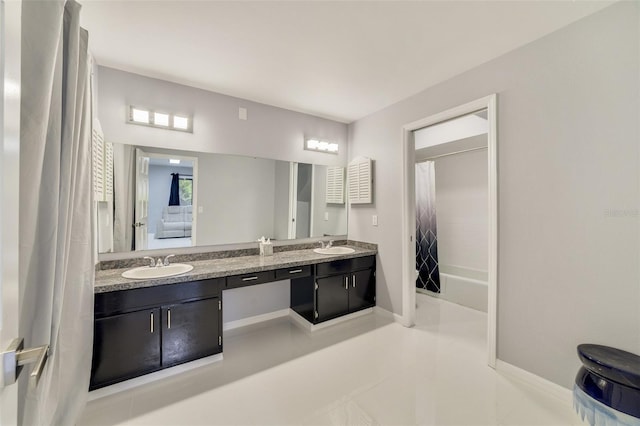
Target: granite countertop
{"type": "Point", "coordinates": [112, 280]}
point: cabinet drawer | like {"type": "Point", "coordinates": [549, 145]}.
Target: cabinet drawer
{"type": "Point", "coordinates": [295, 272]}
{"type": "Point", "coordinates": [250, 279]}
{"type": "Point", "coordinates": [116, 302]}
{"type": "Point", "coordinates": [345, 265]}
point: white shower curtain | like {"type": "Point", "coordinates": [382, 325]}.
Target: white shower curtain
{"type": "Point", "coordinates": [56, 252]}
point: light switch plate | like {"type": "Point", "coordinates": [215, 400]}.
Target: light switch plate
{"type": "Point", "coordinates": [374, 220]}
{"type": "Point", "coordinates": [326, 215]}
{"type": "Point", "coordinates": [200, 209]}
{"type": "Point", "coordinates": [242, 113]}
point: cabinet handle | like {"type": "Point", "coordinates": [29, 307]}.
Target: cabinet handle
{"type": "Point", "coordinates": [151, 322]}
{"type": "Point", "coordinates": [295, 271]}
{"type": "Point", "coordinates": [168, 318]}
{"type": "Point", "coordinates": [346, 283]}
{"type": "Point", "coordinates": [354, 281]}
{"type": "Point", "coordinates": [249, 278]}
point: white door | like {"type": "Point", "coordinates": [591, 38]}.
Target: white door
{"type": "Point", "coordinates": [9, 179]}
{"type": "Point", "coordinates": [142, 199]}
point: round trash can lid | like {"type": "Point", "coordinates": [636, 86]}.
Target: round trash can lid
{"type": "Point", "coordinates": [611, 363]}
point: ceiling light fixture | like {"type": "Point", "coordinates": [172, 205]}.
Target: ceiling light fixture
{"type": "Point", "coordinates": [321, 146]}
{"type": "Point", "coordinates": [164, 120]}
{"type": "Point", "coordinates": [174, 161]}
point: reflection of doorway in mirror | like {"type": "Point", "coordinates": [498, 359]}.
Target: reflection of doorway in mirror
{"type": "Point", "coordinates": [171, 222]}
{"type": "Point", "coordinates": [300, 200]}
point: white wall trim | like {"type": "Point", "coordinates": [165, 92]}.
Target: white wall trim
{"type": "Point", "coordinates": [230, 325]}
{"type": "Point", "coordinates": [409, 214]}
{"type": "Point", "coordinates": [387, 314]}
{"type": "Point", "coordinates": [306, 325]}
{"type": "Point", "coordinates": [561, 393]}
{"type": "Point", "coordinates": [152, 377]}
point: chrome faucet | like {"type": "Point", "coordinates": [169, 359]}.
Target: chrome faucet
{"type": "Point", "coordinates": [166, 259]}
{"type": "Point", "coordinates": [321, 244]}
{"type": "Point", "coordinates": [159, 263]}
{"type": "Point", "coordinates": [152, 262]}
{"type": "Point", "coordinates": [330, 244]}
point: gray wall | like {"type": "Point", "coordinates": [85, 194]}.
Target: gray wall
{"type": "Point", "coordinates": [269, 132]}
{"type": "Point", "coordinates": [244, 302]}
{"type": "Point", "coordinates": [461, 210]}
{"type": "Point", "coordinates": [336, 224]}
{"type": "Point", "coordinates": [568, 158]}
{"type": "Point", "coordinates": [159, 190]}
{"type": "Point", "coordinates": [281, 207]}
{"type": "Point", "coordinates": [237, 196]}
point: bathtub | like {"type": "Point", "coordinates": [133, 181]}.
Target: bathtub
{"type": "Point", "coordinates": [464, 286]}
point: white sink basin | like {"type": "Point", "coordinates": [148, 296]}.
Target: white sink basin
{"type": "Point", "coordinates": [146, 272]}
{"type": "Point", "coordinates": [334, 250]}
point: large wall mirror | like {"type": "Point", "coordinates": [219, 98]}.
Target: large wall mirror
{"type": "Point", "coordinates": [160, 198]}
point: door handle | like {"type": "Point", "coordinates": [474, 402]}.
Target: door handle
{"type": "Point", "coordinates": [295, 271]}
{"type": "Point", "coordinates": [354, 281]}
{"type": "Point", "coordinates": [15, 357]}
{"type": "Point", "coordinates": [346, 283]}
{"type": "Point", "coordinates": [152, 322]}
{"type": "Point", "coordinates": [168, 318]}
{"type": "Point", "coordinates": [249, 278]}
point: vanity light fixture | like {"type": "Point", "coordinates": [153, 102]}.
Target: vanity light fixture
{"type": "Point", "coordinates": [160, 119]}
{"type": "Point", "coordinates": [321, 146]}
{"type": "Point", "coordinates": [180, 122]}
{"type": "Point", "coordinates": [139, 115]}
{"type": "Point", "coordinates": [163, 120]}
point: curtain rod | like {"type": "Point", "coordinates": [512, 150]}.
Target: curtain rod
{"type": "Point", "coordinates": [450, 153]}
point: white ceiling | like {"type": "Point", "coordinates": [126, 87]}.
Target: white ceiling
{"type": "Point", "coordinates": [341, 60]}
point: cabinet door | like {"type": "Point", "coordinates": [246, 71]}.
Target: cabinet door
{"type": "Point", "coordinates": [190, 331]}
{"type": "Point", "coordinates": [362, 290]}
{"type": "Point", "coordinates": [125, 346]}
{"type": "Point", "coordinates": [332, 297]}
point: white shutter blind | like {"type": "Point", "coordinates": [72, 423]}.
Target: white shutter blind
{"type": "Point", "coordinates": [108, 171]}
{"type": "Point", "coordinates": [360, 183]}
{"type": "Point", "coordinates": [335, 185]}
{"type": "Point", "coordinates": [97, 152]}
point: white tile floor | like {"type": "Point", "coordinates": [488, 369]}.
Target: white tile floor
{"type": "Point", "coordinates": [368, 371]}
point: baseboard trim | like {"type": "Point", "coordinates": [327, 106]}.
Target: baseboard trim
{"type": "Point", "coordinates": [388, 314]}
{"type": "Point", "coordinates": [306, 325]}
{"type": "Point", "coordinates": [540, 383]}
{"type": "Point", "coordinates": [152, 377]}
{"type": "Point", "coordinates": [255, 319]}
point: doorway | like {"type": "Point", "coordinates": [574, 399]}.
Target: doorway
{"type": "Point", "coordinates": [166, 202]}
{"type": "Point", "coordinates": [409, 211]}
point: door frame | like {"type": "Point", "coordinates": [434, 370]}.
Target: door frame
{"type": "Point", "coordinates": [194, 194]}
{"type": "Point", "coordinates": [409, 213]}
{"type": "Point", "coordinates": [10, 66]}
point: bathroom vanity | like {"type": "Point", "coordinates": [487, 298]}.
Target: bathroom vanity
{"type": "Point", "coordinates": [142, 326]}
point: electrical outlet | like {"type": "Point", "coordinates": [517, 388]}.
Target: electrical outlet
{"type": "Point", "coordinates": [374, 220]}
{"type": "Point", "coordinates": [200, 209]}
{"type": "Point", "coordinates": [242, 113]}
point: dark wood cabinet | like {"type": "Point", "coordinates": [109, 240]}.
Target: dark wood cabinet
{"type": "Point", "coordinates": [362, 290]}
{"type": "Point", "coordinates": [190, 331]}
{"type": "Point", "coordinates": [139, 331]}
{"type": "Point", "coordinates": [125, 346]}
{"type": "Point", "coordinates": [332, 297]}
{"type": "Point", "coordinates": [186, 324]}
{"type": "Point", "coordinates": [338, 288]}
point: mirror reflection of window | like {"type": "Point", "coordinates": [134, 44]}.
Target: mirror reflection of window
{"type": "Point", "coordinates": [186, 190]}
